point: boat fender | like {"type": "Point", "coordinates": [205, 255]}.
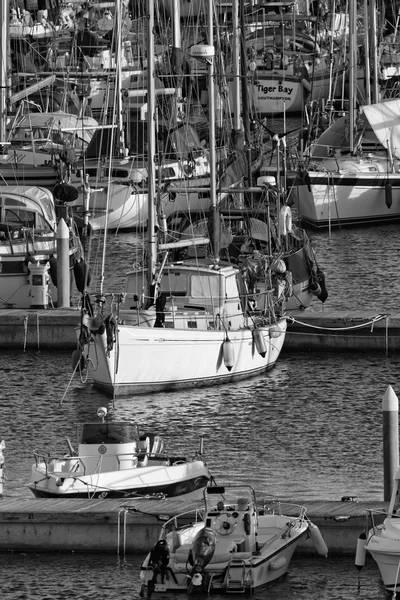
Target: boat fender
{"type": "Point", "coordinates": [110, 323]}
{"type": "Point", "coordinates": [317, 540]}
{"type": "Point", "coordinates": [285, 221]}
{"type": "Point", "coordinates": [53, 270]}
{"type": "Point", "coordinates": [321, 280]}
{"type": "Point", "coordinates": [78, 360]}
{"type": "Point", "coordinates": [82, 275]}
{"type": "Point", "coordinates": [315, 288]}
{"type": "Point", "coordinates": [228, 353]}
{"type": "Point", "coordinates": [388, 195]}
{"type": "Point", "coordinates": [360, 551]}
{"type": "Point", "coordinates": [278, 563]}
{"type": "Point", "coordinates": [259, 342]}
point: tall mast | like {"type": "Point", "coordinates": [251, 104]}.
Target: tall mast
{"type": "Point", "coordinates": [4, 28]}
{"type": "Point", "coordinates": [214, 234]}
{"type": "Point", "coordinates": [151, 147]}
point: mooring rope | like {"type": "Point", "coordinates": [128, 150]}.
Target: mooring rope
{"type": "Point", "coordinates": [351, 327]}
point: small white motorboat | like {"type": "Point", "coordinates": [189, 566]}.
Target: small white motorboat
{"type": "Point", "coordinates": [383, 541]}
{"type": "Point", "coordinates": [117, 460]}
{"type": "Point", "coordinates": [227, 546]}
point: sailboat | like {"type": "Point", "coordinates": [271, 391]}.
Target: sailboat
{"type": "Point", "coordinates": [350, 174]}
{"type": "Point", "coordinates": [289, 66]}
{"type": "Point", "coordinates": [186, 323]}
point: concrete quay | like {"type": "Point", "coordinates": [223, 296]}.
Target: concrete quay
{"type": "Point", "coordinates": [307, 330]}
{"type": "Point", "coordinates": [133, 526]}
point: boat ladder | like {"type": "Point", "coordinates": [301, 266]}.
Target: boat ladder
{"type": "Point", "coordinates": [239, 580]}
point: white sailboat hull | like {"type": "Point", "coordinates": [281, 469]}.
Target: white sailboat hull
{"type": "Point", "coordinates": [120, 206]}
{"type": "Point", "coordinates": [339, 199]}
{"type": "Point", "coordinates": [151, 359]}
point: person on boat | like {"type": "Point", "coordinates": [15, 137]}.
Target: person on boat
{"type": "Point", "coordinates": [86, 42]}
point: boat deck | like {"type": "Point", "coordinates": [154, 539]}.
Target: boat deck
{"type": "Point", "coordinates": [127, 526]}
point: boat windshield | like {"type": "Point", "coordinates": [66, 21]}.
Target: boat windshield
{"type": "Point", "coordinates": [229, 497]}
{"type": "Point", "coordinates": [108, 433]}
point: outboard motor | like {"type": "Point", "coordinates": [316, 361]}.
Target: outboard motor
{"type": "Point", "coordinates": [201, 552]}
{"type": "Point", "coordinates": [158, 561]}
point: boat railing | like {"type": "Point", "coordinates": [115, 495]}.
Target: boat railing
{"type": "Point", "coordinates": [277, 507]}
{"type": "Point", "coordinates": [378, 513]}
{"type": "Point", "coordinates": [57, 464]}
{"type": "Point", "coordinates": [179, 523]}
{"type": "Point", "coordinates": [80, 464]}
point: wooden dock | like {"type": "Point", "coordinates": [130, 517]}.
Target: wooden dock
{"type": "Point", "coordinates": [307, 330]}
{"type": "Point", "coordinates": [133, 526]}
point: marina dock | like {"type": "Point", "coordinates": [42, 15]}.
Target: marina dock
{"type": "Point", "coordinates": [307, 330]}
{"type": "Point", "coordinates": [133, 526]}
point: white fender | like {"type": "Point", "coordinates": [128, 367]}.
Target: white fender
{"type": "Point", "coordinates": [229, 354]}
{"type": "Point", "coordinates": [278, 563]}
{"type": "Point", "coordinates": [360, 551]}
{"type": "Point", "coordinates": [285, 220]}
{"type": "Point", "coordinates": [318, 540]}
{"type": "Point", "coordinates": [259, 342]}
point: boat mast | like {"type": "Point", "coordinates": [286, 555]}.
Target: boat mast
{"type": "Point", "coordinates": [151, 151]}
{"type": "Point", "coordinates": [374, 51]}
{"type": "Point", "coordinates": [4, 27]}
{"type": "Point", "coordinates": [214, 213]}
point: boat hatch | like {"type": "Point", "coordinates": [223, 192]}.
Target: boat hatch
{"type": "Point", "coordinates": [108, 433]}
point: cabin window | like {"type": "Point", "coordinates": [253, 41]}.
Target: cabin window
{"type": "Point", "coordinates": [166, 173]}
{"type": "Point", "coordinates": [175, 284]}
{"type": "Point", "coordinates": [123, 174]}
{"type": "Point", "coordinates": [204, 286]}
{"type": "Point", "coordinates": [22, 217]}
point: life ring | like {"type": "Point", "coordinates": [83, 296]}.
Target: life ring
{"type": "Point", "coordinates": [225, 524]}
{"type": "Point", "coordinates": [285, 220]}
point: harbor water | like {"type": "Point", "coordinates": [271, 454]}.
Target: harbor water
{"type": "Point", "coordinates": [311, 428]}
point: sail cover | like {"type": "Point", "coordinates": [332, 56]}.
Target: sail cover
{"type": "Point", "coordinates": [384, 118]}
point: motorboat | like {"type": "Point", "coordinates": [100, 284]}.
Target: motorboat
{"type": "Point", "coordinates": [117, 459]}
{"type": "Point", "coordinates": [229, 545]}
{"type": "Point", "coordinates": [28, 248]}
{"type": "Point", "coordinates": [383, 540]}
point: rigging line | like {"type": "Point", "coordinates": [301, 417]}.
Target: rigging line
{"type": "Point", "coordinates": [69, 383]}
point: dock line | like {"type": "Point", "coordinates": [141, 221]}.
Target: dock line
{"type": "Point", "coordinates": [370, 322]}
{"type": "Point", "coordinates": [26, 317]}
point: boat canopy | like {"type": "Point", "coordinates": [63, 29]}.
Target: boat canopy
{"type": "Point", "coordinates": [108, 433]}
{"type": "Point", "coordinates": [384, 118]}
